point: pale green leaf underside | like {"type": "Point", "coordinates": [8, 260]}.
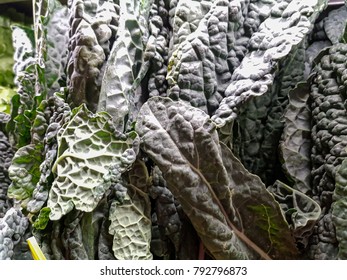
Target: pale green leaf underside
{"type": "Point", "coordinates": [131, 226]}
{"type": "Point", "coordinates": [88, 146]}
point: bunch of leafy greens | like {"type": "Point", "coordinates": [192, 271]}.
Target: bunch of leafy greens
{"type": "Point", "coordinates": [156, 129]}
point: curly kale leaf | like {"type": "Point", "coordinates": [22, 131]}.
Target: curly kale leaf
{"type": "Point", "coordinates": [213, 186]}
{"type": "Point", "coordinates": [88, 146]}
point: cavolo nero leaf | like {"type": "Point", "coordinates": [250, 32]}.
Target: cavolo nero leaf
{"type": "Point", "coordinates": [216, 192]}
{"type": "Point", "coordinates": [87, 146]}
{"type": "Point", "coordinates": [295, 145]}
{"type": "Point", "coordinates": [286, 27]}
{"type": "Point", "coordinates": [125, 66]}
{"type": "Point", "coordinates": [339, 213]}
{"type": "Point", "coordinates": [335, 23]}
{"type": "Point", "coordinates": [257, 211]}
{"type": "Point", "coordinates": [301, 211]}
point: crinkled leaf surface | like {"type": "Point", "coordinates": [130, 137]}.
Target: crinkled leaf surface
{"type": "Point", "coordinates": [87, 147]}
{"type": "Point", "coordinates": [12, 227]}
{"type": "Point", "coordinates": [198, 70]}
{"type": "Point", "coordinates": [131, 226]}
{"type": "Point", "coordinates": [301, 211]}
{"type": "Point", "coordinates": [56, 28]}
{"type": "Point", "coordinates": [25, 171]}
{"type": "Point", "coordinates": [93, 29]}
{"type": "Point", "coordinates": [339, 213]}
{"type": "Point", "coordinates": [123, 68]}
{"type": "Point", "coordinates": [183, 142]}
{"type": "Point", "coordinates": [287, 26]}
{"type": "Point", "coordinates": [295, 147]}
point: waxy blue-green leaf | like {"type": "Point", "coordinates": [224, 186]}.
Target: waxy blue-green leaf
{"type": "Point", "coordinates": [213, 186]}
{"type": "Point", "coordinates": [295, 146]}
{"type": "Point", "coordinates": [12, 227]}
{"type": "Point", "coordinates": [301, 211]}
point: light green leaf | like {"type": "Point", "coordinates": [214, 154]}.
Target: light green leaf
{"type": "Point", "coordinates": [42, 219]}
{"type": "Point", "coordinates": [6, 95]}
{"type": "Point", "coordinates": [88, 146]}
{"type": "Point", "coordinates": [131, 226]}
{"type": "Point", "coordinates": [25, 172]}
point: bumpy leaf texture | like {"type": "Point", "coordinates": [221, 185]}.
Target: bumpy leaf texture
{"type": "Point", "coordinates": [93, 27]}
{"type": "Point", "coordinates": [167, 214]}
{"type": "Point", "coordinates": [57, 29]}
{"type": "Point", "coordinates": [131, 226]}
{"type": "Point", "coordinates": [6, 155]}
{"type": "Point", "coordinates": [198, 71]}
{"type": "Point", "coordinates": [214, 187]}
{"type": "Point", "coordinates": [339, 209]}
{"type": "Point", "coordinates": [88, 146]}
{"type": "Point", "coordinates": [125, 66]}
{"type": "Point", "coordinates": [258, 128]}
{"type": "Point", "coordinates": [295, 146]}
{"type": "Point", "coordinates": [24, 172]}
{"type": "Point", "coordinates": [56, 114]}
{"type": "Point", "coordinates": [286, 27]}
{"type": "Point", "coordinates": [327, 98]}
{"type": "Point", "coordinates": [158, 46]}
{"type": "Point", "coordinates": [12, 227]}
